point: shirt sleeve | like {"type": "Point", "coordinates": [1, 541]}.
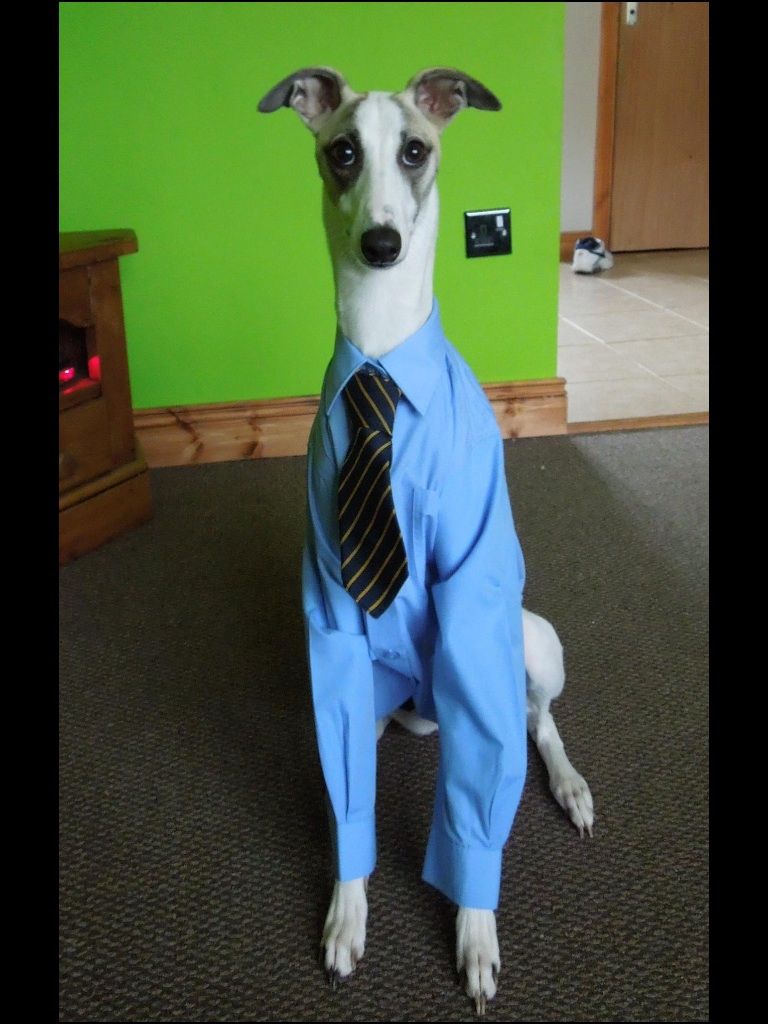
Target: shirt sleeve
{"type": "Point", "coordinates": [478, 679]}
{"type": "Point", "coordinates": [342, 680]}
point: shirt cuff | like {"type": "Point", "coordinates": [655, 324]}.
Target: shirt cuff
{"type": "Point", "coordinates": [354, 848]}
{"type": "Point", "coordinates": [468, 876]}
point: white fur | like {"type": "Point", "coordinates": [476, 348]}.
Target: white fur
{"type": "Point", "coordinates": [381, 308]}
{"type": "Point", "coordinates": [344, 931]}
{"type": "Point", "coordinates": [378, 308]}
{"type": "Point", "coordinates": [545, 673]}
{"type": "Point", "coordinates": [477, 953]}
{"type": "Point", "coordinates": [545, 676]}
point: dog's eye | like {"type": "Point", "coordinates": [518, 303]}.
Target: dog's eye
{"type": "Point", "coordinates": [342, 153]}
{"type": "Point", "coordinates": [414, 153]}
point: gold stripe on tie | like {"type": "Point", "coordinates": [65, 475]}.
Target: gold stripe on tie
{"type": "Point", "coordinates": [367, 562]}
{"type": "Point", "coordinates": [383, 390]}
{"type": "Point", "coordinates": [376, 603]}
{"type": "Point", "coordinates": [375, 512]}
{"type": "Point", "coordinates": [363, 420]}
{"type": "Point", "coordinates": [360, 510]}
{"type": "Point", "coordinates": [351, 470]}
{"type": "Point", "coordinates": [373, 405]}
{"type": "Point", "coordinates": [382, 567]}
{"type": "Point", "coordinates": [362, 477]}
{"type": "Point", "coordinates": [374, 563]}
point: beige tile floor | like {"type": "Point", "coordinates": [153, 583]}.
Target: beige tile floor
{"type": "Point", "coordinates": [633, 341]}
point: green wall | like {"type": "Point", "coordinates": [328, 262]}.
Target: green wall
{"type": "Point", "coordinates": [230, 295]}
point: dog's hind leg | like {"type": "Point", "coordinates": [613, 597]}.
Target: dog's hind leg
{"type": "Point", "coordinates": [381, 725]}
{"type": "Point", "coordinates": [413, 722]}
{"type": "Point", "coordinates": [545, 674]}
{"type": "Point", "coordinates": [410, 721]}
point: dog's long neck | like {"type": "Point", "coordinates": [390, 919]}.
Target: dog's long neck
{"type": "Point", "coordinates": [378, 309]}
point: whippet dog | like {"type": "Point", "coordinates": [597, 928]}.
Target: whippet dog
{"type": "Point", "coordinates": [378, 155]}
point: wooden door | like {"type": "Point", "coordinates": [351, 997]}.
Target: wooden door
{"type": "Point", "coordinates": [660, 196]}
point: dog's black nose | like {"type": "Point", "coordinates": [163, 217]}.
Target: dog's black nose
{"type": "Point", "coordinates": [381, 246]}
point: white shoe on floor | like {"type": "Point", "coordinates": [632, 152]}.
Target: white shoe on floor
{"type": "Point", "coordinates": [591, 255]}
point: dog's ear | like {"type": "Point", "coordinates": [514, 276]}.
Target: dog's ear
{"type": "Point", "coordinates": [440, 93]}
{"type": "Point", "coordinates": [314, 93]}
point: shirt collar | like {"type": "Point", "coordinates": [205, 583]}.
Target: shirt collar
{"type": "Point", "coordinates": [415, 365]}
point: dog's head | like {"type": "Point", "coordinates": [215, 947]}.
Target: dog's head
{"type": "Point", "coordinates": [377, 152]}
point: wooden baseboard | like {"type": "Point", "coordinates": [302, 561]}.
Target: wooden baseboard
{"type": "Point", "coordinates": [568, 240]}
{"type": "Point", "coordinates": [532, 408]}
{"type": "Point", "coordinates": [682, 419]}
{"type": "Point", "coordinates": [188, 435]}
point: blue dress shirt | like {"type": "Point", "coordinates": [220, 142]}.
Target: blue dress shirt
{"type": "Point", "coordinates": [452, 639]}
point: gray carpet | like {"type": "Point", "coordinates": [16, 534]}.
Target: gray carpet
{"type": "Point", "coordinates": [195, 863]}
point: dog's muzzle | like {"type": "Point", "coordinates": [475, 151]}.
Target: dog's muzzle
{"type": "Point", "coordinates": [381, 246]}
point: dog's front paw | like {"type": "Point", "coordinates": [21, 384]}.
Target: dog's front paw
{"type": "Point", "coordinates": [344, 931]}
{"type": "Point", "coordinates": [477, 954]}
{"type": "Point", "coordinates": [572, 793]}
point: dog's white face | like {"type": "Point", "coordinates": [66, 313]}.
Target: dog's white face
{"type": "Point", "coordinates": [377, 152]}
{"type": "Point", "coordinates": [378, 156]}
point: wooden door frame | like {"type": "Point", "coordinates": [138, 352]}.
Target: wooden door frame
{"type": "Point", "coordinates": [604, 136]}
{"type": "Point", "coordinates": [606, 120]}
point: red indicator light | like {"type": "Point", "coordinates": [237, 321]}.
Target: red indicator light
{"type": "Point", "coordinates": [67, 374]}
{"type": "Point", "coordinates": [94, 368]}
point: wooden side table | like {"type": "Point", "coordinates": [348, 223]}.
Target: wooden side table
{"type": "Point", "coordinates": [103, 478]}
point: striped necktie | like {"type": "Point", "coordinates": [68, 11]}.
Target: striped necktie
{"type": "Point", "coordinates": [373, 560]}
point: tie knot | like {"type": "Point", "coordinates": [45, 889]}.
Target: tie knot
{"type": "Point", "coordinates": [371, 400]}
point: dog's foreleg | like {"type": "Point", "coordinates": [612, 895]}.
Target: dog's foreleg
{"type": "Point", "coordinates": [545, 678]}
{"type": "Point", "coordinates": [477, 954]}
{"type": "Point", "coordinates": [344, 932]}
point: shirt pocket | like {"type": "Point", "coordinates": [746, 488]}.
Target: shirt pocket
{"type": "Point", "coordinates": [424, 507]}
